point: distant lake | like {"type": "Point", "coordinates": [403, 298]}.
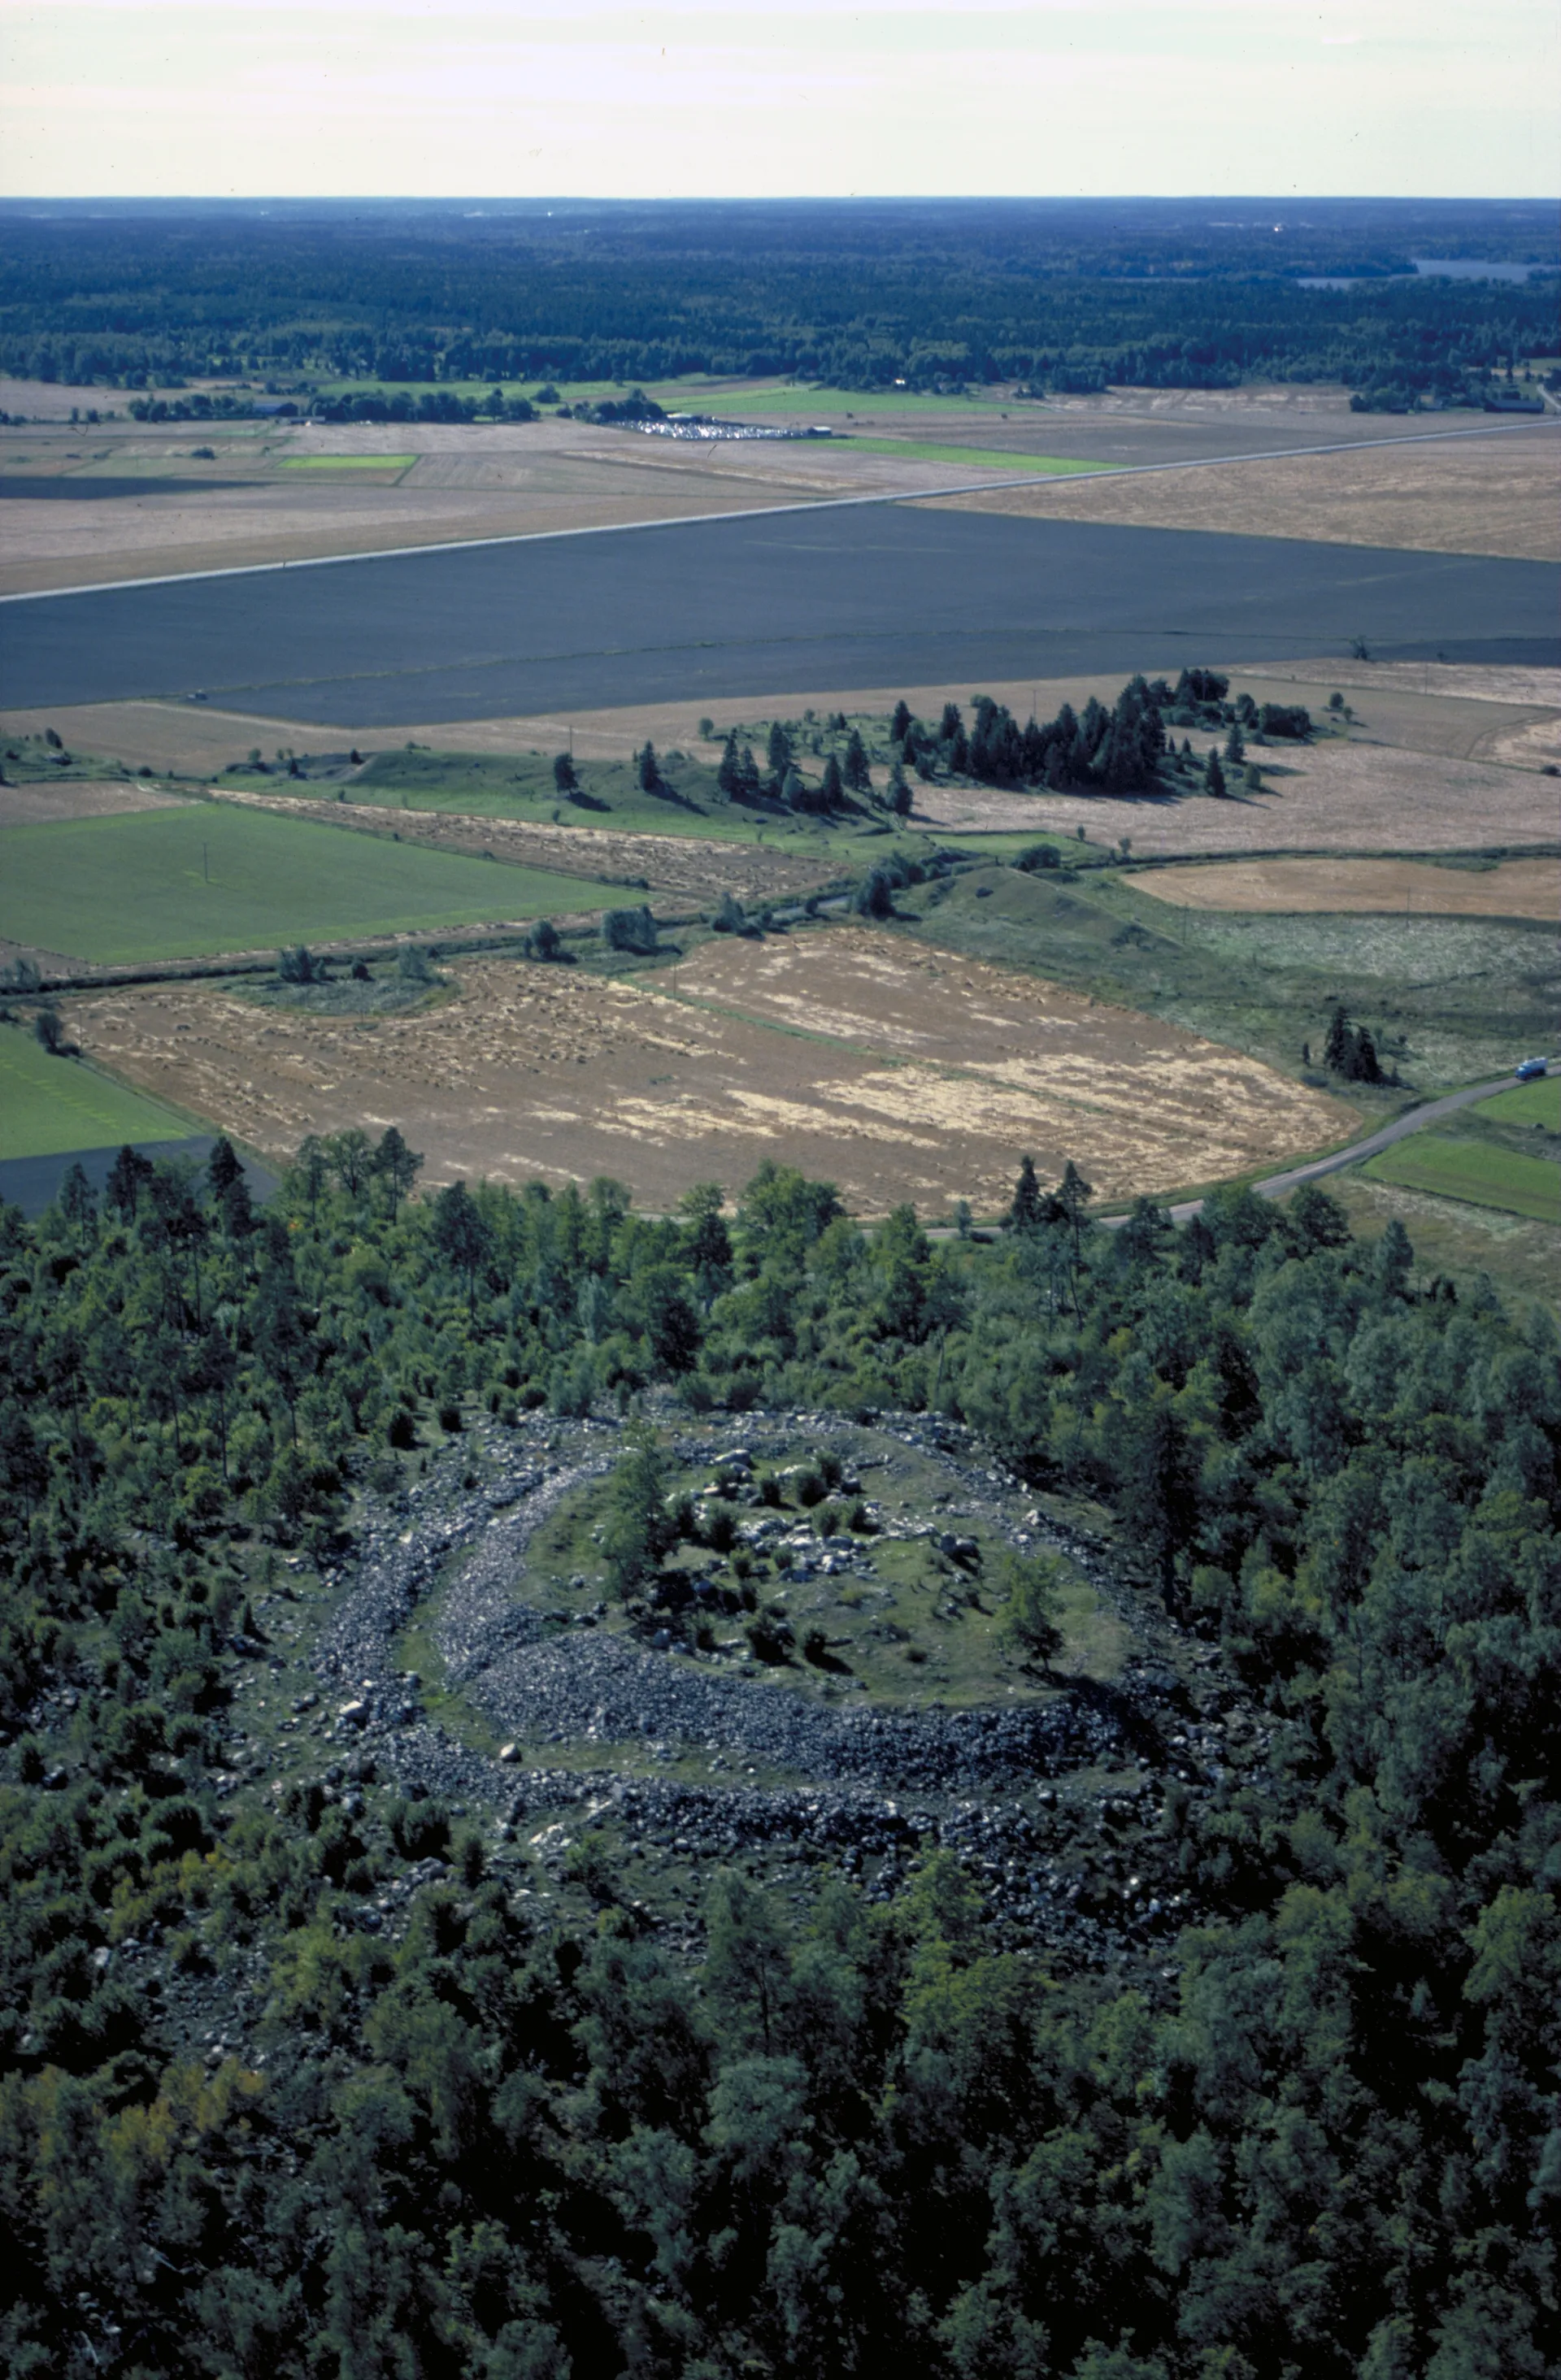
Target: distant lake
{"type": "Point", "coordinates": [1470, 268]}
{"type": "Point", "coordinates": [1452, 268]}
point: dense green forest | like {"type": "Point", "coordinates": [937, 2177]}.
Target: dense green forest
{"type": "Point", "coordinates": [1059, 296]}
{"type": "Point", "coordinates": [859, 2141]}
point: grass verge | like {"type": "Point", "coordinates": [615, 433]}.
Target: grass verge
{"type": "Point", "coordinates": [1479, 1172]}
{"type": "Point", "coordinates": [49, 1106]}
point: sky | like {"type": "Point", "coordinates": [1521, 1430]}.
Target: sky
{"type": "Point", "coordinates": [745, 98]}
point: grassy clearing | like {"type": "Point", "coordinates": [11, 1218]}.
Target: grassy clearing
{"type": "Point", "coordinates": [975, 457]}
{"type": "Point", "coordinates": [1480, 1173]}
{"type": "Point", "coordinates": [520, 785]}
{"type": "Point", "coordinates": [1527, 1103]}
{"type": "Point", "coordinates": [906, 1622]}
{"type": "Point", "coordinates": [51, 1105]}
{"type": "Point", "coordinates": [162, 885]}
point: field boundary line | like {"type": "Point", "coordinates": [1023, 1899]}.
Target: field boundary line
{"type": "Point", "coordinates": [770, 512]}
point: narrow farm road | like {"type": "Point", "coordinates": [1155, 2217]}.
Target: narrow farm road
{"type": "Point", "coordinates": [1278, 1184]}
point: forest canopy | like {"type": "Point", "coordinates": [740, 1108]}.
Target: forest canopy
{"type": "Point", "coordinates": [1053, 294]}
{"type": "Point", "coordinates": [869, 2140]}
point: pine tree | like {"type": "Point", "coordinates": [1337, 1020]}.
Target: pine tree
{"type": "Point", "coordinates": [1027, 1207]}
{"type": "Point", "coordinates": [1073, 1195]}
{"type": "Point", "coordinates": [778, 752]}
{"type": "Point", "coordinates": [1214, 775]}
{"type": "Point", "coordinates": [1338, 1050]}
{"type": "Point", "coordinates": [647, 769]}
{"type": "Point", "coordinates": [855, 771]}
{"type": "Point", "coordinates": [899, 725]}
{"type": "Point", "coordinates": [729, 776]}
{"type": "Point", "coordinates": [832, 791]}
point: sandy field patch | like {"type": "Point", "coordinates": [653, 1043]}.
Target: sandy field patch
{"type": "Point", "coordinates": [685, 864]}
{"type": "Point", "coordinates": [893, 1071]}
{"type": "Point", "coordinates": [1514, 888]}
{"type": "Point", "coordinates": [43, 804]}
{"type": "Point", "coordinates": [1499, 494]}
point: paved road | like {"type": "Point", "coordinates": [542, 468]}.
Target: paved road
{"type": "Point", "coordinates": [1278, 1186]}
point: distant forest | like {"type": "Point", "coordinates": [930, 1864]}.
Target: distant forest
{"type": "Point", "coordinates": [1056, 295]}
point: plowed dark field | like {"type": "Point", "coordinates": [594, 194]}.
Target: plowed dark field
{"type": "Point", "coordinates": [843, 596]}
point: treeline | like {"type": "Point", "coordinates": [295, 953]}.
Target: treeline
{"type": "Point", "coordinates": [1055, 298]}
{"type": "Point", "coordinates": [870, 2141]}
{"type": "Point", "coordinates": [1110, 748]}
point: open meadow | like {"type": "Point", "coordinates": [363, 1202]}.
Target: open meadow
{"type": "Point", "coordinates": [893, 1071]}
{"type": "Point", "coordinates": [208, 877]}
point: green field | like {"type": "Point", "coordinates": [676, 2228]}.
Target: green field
{"type": "Point", "coordinates": [163, 884]}
{"type": "Point", "coordinates": [1527, 1103]}
{"type": "Point", "coordinates": [1478, 1172]}
{"type": "Point", "coordinates": [49, 1105]}
{"type": "Point", "coordinates": [976, 458]}
{"type": "Point", "coordinates": [347, 462]}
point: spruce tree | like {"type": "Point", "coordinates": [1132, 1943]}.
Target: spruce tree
{"type": "Point", "coordinates": [1028, 1206]}
{"type": "Point", "coordinates": [855, 770]}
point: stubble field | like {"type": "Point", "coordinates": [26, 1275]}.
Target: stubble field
{"type": "Point", "coordinates": [1515, 888]}
{"type": "Point", "coordinates": [893, 1071]}
{"type": "Point", "coordinates": [1498, 495]}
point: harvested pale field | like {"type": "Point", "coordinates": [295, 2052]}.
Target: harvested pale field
{"type": "Point", "coordinates": [895, 1072]}
{"type": "Point", "coordinates": [1328, 796]}
{"type": "Point", "coordinates": [161, 511]}
{"type": "Point", "coordinates": [1514, 888]}
{"type": "Point", "coordinates": [1497, 494]}
{"type": "Point", "coordinates": [685, 866]}
{"type": "Point", "coordinates": [39, 805]}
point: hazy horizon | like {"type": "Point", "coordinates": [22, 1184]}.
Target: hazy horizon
{"type": "Point", "coordinates": [731, 98]}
